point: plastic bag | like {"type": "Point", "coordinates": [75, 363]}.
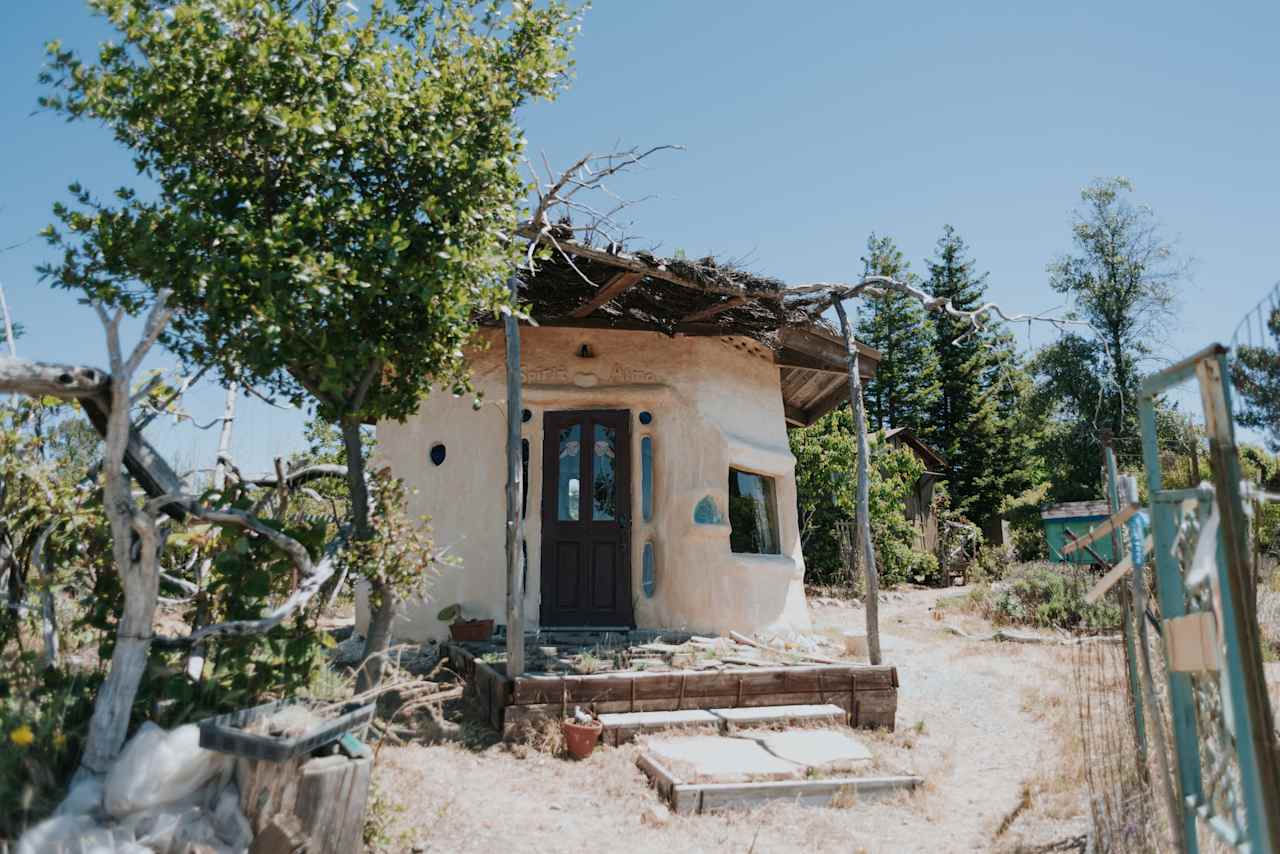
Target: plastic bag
{"type": "Point", "coordinates": [159, 767]}
{"type": "Point", "coordinates": [84, 798]}
{"type": "Point", "coordinates": [76, 834]}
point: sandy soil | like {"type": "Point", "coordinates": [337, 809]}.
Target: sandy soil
{"type": "Point", "coordinates": [989, 727]}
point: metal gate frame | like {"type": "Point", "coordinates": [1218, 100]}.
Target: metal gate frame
{"type": "Point", "coordinates": [1237, 791]}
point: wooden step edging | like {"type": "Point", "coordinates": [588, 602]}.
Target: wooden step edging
{"type": "Point", "coordinates": [867, 694]}
{"type": "Point", "coordinates": [692, 798]}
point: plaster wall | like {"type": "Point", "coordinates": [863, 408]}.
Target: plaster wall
{"type": "Point", "coordinates": [715, 403]}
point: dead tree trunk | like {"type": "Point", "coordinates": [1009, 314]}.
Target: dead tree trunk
{"type": "Point", "coordinates": [515, 522]}
{"type": "Point", "coordinates": [135, 542]}
{"type": "Point", "coordinates": [872, 598]}
{"type": "Point", "coordinates": [195, 661]}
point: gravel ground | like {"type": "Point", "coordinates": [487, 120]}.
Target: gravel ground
{"type": "Point", "coordinates": [987, 725]}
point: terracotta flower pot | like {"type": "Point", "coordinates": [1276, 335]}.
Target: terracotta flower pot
{"type": "Point", "coordinates": [581, 738]}
{"type": "Point", "coordinates": [471, 630]}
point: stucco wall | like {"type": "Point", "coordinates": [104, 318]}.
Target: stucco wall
{"type": "Point", "coordinates": [715, 403]}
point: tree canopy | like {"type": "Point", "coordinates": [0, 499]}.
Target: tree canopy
{"type": "Point", "coordinates": [334, 194]}
{"type": "Point", "coordinates": [1122, 280]}
{"type": "Point", "coordinates": [905, 386]}
{"type": "Point", "coordinates": [974, 417]}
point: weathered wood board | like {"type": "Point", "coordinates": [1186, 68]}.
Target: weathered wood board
{"type": "Point", "coordinates": [692, 798]}
{"type": "Point", "coordinates": [326, 797]}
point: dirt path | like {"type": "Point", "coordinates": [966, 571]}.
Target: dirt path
{"type": "Point", "coordinates": [983, 723]}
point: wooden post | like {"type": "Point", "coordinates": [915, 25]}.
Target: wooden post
{"type": "Point", "coordinates": [1127, 613]}
{"type": "Point", "coordinates": [515, 524]}
{"type": "Point", "coordinates": [195, 659]}
{"type": "Point", "coordinates": [864, 503]}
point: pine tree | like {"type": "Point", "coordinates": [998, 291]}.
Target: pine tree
{"type": "Point", "coordinates": [905, 387]}
{"type": "Point", "coordinates": [976, 417]}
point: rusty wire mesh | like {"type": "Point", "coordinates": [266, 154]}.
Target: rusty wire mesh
{"type": "Point", "coordinates": [1124, 808]}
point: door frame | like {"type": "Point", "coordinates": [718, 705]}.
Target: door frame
{"type": "Point", "coordinates": [552, 422]}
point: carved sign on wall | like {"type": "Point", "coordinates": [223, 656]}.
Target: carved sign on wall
{"type": "Point", "coordinates": [544, 376]}
{"type": "Point", "coordinates": [619, 375]}
{"type": "Point", "coordinates": [624, 374]}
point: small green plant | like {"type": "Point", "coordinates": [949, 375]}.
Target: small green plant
{"type": "Point", "coordinates": [991, 564]}
{"type": "Point", "coordinates": [40, 739]}
{"type": "Point", "coordinates": [451, 614]}
{"type": "Point", "coordinates": [1052, 597]}
{"type": "Point", "coordinates": [591, 662]}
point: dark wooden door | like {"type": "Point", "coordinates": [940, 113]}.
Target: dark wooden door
{"type": "Point", "coordinates": [586, 518]}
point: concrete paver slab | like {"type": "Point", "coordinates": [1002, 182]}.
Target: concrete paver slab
{"type": "Point", "coordinates": [715, 759]}
{"type": "Point", "coordinates": [820, 749]}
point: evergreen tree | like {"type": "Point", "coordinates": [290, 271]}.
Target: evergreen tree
{"type": "Point", "coordinates": [977, 415]}
{"type": "Point", "coordinates": [905, 387]}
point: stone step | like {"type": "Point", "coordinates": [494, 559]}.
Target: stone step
{"type": "Point", "coordinates": [826, 713]}
{"type": "Point", "coordinates": [621, 727]}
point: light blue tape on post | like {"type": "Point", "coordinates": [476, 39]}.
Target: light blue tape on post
{"type": "Point", "coordinates": [1137, 525]}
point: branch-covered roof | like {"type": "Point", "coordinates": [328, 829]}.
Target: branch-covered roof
{"type": "Point", "coordinates": [590, 286]}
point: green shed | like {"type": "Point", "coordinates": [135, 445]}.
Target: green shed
{"type": "Point", "coordinates": [1078, 517]}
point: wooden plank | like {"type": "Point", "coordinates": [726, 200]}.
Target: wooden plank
{"type": "Point", "coordinates": [609, 291]}
{"type": "Point", "coordinates": [611, 687]}
{"type": "Point", "coordinates": [1113, 577]}
{"type": "Point", "coordinates": [714, 796]}
{"type": "Point", "coordinates": [712, 311]}
{"type": "Point", "coordinates": [875, 709]}
{"type": "Point", "coordinates": [788, 358]}
{"type": "Point", "coordinates": [1101, 531]}
{"type": "Point", "coordinates": [332, 794]}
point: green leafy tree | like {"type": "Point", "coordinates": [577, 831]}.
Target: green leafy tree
{"type": "Point", "coordinates": [335, 193]}
{"type": "Point", "coordinates": [905, 388]}
{"type": "Point", "coordinates": [825, 454]}
{"type": "Point", "coordinates": [1122, 280]}
{"type": "Point", "coordinates": [1256, 374]}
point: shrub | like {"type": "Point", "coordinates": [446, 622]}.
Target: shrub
{"type": "Point", "coordinates": [991, 564]}
{"type": "Point", "coordinates": [826, 457]}
{"type": "Point", "coordinates": [1052, 597]}
{"type": "Point", "coordinates": [1025, 527]}
{"type": "Point", "coordinates": [44, 714]}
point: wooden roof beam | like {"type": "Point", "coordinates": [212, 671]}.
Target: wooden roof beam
{"type": "Point", "coordinates": [712, 311]}
{"type": "Point", "coordinates": [795, 416]}
{"type": "Point", "coordinates": [608, 292]}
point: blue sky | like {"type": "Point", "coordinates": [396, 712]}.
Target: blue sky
{"type": "Point", "coordinates": [806, 128]}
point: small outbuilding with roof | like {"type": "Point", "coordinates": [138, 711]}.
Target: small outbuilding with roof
{"type": "Point", "coordinates": [658, 482]}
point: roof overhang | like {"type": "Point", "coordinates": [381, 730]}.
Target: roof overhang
{"type": "Point", "coordinates": [592, 287]}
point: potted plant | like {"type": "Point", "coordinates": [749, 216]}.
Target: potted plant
{"type": "Point", "coordinates": [581, 732]}
{"type": "Point", "coordinates": [462, 629]}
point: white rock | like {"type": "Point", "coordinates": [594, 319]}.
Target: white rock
{"type": "Point", "coordinates": [656, 815]}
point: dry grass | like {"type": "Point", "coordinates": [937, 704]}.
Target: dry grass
{"type": "Point", "coordinates": [981, 723]}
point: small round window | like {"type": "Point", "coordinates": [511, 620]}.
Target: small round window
{"type": "Point", "coordinates": [706, 512]}
{"type": "Point", "coordinates": [437, 453]}
{"type": "Point", "coordinates": [646, 417]}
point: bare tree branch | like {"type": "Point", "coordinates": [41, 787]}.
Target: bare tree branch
{"type": "Point", "coordinates": [311, 575]}
{"type": "Point", "coordinates": [817, 297]}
